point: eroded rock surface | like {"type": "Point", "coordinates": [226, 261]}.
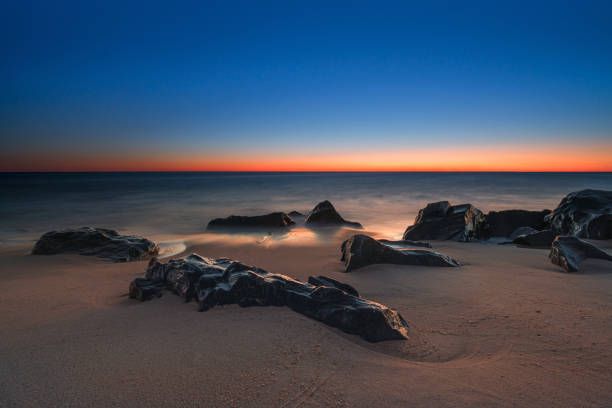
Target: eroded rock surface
{"type": "Point", "coordinates": [101, 242]}
{"type": "Point", "coordinates": [540, 239]}
{"type": "Point", "coordinates": [324, 213]}
{"type": "Point", "coordinates": [504, 223]}
{"type": "Point", "coordinates": [569, 252]}
{"type": "Point", "coordinates": [223, 281]}
{"type": "Point", "coordinates": [442, 221]}
{"type": "Point", "coordinates": [272, 220]}
{"type": "Point", "coordinates": [585, 214]}
{"type": "Point", "coordinates": [361, 250]}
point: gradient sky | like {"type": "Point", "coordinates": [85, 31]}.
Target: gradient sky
{"type": "Point", "coordinates": [104, 85]}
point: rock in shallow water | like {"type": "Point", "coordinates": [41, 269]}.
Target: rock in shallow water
{"type": "Point", "coordinates": [324, 213]}
{"type": "Point", "coordinates": [442, 221]}
{"type": "Point", "coordinates": [272, 220]}
{"type": "Point", "coordinates": [569, 252]}
{"type": "Point", "coordinates": [585, 214]}
{"type": "Point", "coordinates": [101, 242]}
{"type": "Point", "coordinates": [361, 250]}
{"type": "Point", "coordinates": [223, 281]}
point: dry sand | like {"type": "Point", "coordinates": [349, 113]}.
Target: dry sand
{"type": "Point", "coordinates": [506, 329]}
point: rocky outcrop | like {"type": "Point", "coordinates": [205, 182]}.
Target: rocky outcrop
{"type": "Point", "coordinates": [325, 281]}
{"type": "Point", "coordinates": [361, 250]}
{"type": "Point", "coordinates": [324, 213]}
{"type": "Point", "coordinates": [101, 242]}
{"type": "Point", "coordinates": [442, 221]}
{"type": "Point", "coordinates": [405, 243]}
{"type": "Point", "coordinates": [223, 281]}
{"type": "Point", "coordinates": [295, 214]}
{"type": "Point", "coordinates": [273, 220]}
{"type": "Point", "coordinates": [584, 214]}
{"type": "Point", "coordinates": [540, 239]}
{"type": "Point", "coordinates": [504, 223]}
{"type": "Point", "coordinates": [569, 252]}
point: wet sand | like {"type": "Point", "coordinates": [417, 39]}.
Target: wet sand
{"type": "Point", "coordinates": [508, 328]}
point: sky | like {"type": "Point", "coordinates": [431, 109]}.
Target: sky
{"type": "Point", "coordinates": [306, 86]}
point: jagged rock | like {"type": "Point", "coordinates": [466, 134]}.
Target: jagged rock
{"type": "Point", "coordinates": [324, 213]}
{"type": "Point", "coordinates": [325, 281]}
{"type": "Point", "coordinates": [223, 281]}
{"type": "Point", "coordinates": [522, 231]}
{"type": "Point", "coordinates": [273, 220]}
{"type": "Point", "coordinates": [441, 221]}
{"type": "Point", "coordinates": [296, 214]}
{"type": "Point", "coordinates": [101, 242]}
{"type": "Point", "coordinates": [504, 223]}
{"type": "Point", "coordinates": [361, 250]}
{"type": "Point", "coordinates": [540, 239]}
{"type": "Point", "coordinates": [569, 252]}
{"type": "Point", "coordinates": [585, 214]}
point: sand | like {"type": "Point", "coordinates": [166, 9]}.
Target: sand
{"type": "Point", "coordinates": [506, 329]}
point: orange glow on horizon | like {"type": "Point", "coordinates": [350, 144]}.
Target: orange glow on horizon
{"type": "Point", "coordinates": [502, 158]}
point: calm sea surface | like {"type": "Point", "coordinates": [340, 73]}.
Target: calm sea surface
{"type": "Point", "coordinates": [176, 204]}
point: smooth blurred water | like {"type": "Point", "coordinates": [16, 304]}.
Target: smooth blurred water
{"type": "Point", "coordinates": [157, 204]}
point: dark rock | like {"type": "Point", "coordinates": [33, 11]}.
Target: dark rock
{"type": "Point", "coordinates": [569, 252]}
{"type": "Point", "coordinates": [296, 214]}
{"type": "Point", "coordinates": [540, 239]}
{"type": "Point", "coordinates": [361, 250]}
{"type": "Point", "coordinates": [522, 231]}
{"type": "Point", "coordinates": [324, 213]}
{"type": "Point", "coordinates": [222, 281]}
{"type": "Point", "coordinates": [273, 220]}
{"type": "Point", "coordinates": [441, 221]}
{"type": "Point", "coordinates": [143, 289]}
{"type": "Point", "coordinates": [101, 242]}
{"type": "Point", "coordinates": [504, 223]}
{"type": "Point", "coordinates": [405, 243]}
{"type": "Point", "coordinates": [325, 281]}
{"type": "Point", "coordinates": [585, 214]}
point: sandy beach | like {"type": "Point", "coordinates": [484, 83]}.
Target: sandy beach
{"type": "Point", "coordinates": [508, 328]}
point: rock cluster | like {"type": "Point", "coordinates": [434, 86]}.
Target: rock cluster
{"type": "Point", "coordinates": [272, 220]}
{"type": "Point", "coordinates": [324, 213]}
{"type": "Point", "coordinates": [361, 250]}
{"type": "Point", "coordinates": [569, 252]}
{"type": "Point", "coordinates": [504, 223]}
{"type": "Point", "coordinates": [223, 281]}
{"type": "Point", "coordinates": [101, 242]}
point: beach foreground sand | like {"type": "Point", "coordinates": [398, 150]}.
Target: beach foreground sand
{"type": "Point", "coordinates": [508, 328]}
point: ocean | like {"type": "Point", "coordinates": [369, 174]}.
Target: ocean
{"type": "Point", "coordinates": [181, 204]}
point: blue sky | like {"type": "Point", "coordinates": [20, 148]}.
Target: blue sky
{"type": "Point", "coordinates": [260, 76]}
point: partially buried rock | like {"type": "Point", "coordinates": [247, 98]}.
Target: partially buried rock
{"type": "Point", "coordinates": [101, 242]}
{"type": "Point", "coordinates": [324, 213]}
{"type": "Point", "coordinates": [442, 221]}
{"type": "Point", "coordinates": [273, 220]}
{"type": "Point", "coordinates": [585, 214]}
{"type": "Point", "coordinates": [361, 250]}
{"type": "Point", "coordinates": [405, 243]}
{"type": "Point", "coordinates": [325, 281]}
{"type": "Point", "coordinates": [540, 239]}
{"type": "Point", "coordinates": [504, 223]}
{"type": "Point", "coordinates": [569, 252]}
{"type": "Point", "coordinates": [223, 281]}
{"type": "Point", "coordinates": [522, 231]}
